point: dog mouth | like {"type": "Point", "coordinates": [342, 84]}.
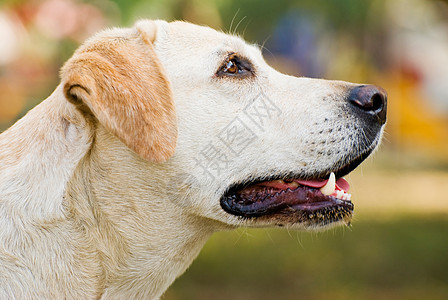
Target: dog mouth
{"type": "Point", "coordinates": [316, 202]}
{"type": "Point", "coordinates": [313, 201]}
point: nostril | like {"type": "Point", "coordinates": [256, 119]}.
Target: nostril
{"type": "Point", "coordinates": [371, 99]}
{"type": "Point", "coordinates": [377, 103]}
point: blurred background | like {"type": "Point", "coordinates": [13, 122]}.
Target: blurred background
{"type": "Point", "coordinates": [397, 246]}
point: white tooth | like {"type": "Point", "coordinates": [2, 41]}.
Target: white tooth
{"type": "Point", "coordinates": [329, 188]}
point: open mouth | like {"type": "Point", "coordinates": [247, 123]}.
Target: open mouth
{"type": "Point", "coordinates": [319, 201]}
{"type": "Point", "coordinates": [289, 199]}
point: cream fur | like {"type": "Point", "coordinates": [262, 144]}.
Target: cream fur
{"type": "Point", "coordinates": [101, 194]}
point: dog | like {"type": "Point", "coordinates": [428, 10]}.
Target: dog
{"type": "Point", "coordinates": [157, 136]}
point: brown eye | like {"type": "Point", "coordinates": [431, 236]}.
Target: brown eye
{"type": "Point", "coordinates": [235, 66]}
{"type": "Point", "coordinates": [231, 67]}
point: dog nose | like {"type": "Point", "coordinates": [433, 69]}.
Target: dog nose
{"type": "Point", "coordinates": [371, 100]}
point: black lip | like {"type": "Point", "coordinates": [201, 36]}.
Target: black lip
{"type": "Point", "coordinates": [307, 200]}
{"type": "Point", "coordinates": [330, 205]}
{"type": "Point", "coordinates": [346, 169]}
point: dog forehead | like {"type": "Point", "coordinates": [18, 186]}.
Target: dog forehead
{"type": "Point", "coordinates": [189, 39]}
{"type": "Point", "coordinates": [200, 35]}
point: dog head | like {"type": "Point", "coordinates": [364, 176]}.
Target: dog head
{"type": "Point", "coordinates": [254, 146]}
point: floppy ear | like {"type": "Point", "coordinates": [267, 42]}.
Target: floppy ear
{"type": "Point", "coordinates": [117, 78]}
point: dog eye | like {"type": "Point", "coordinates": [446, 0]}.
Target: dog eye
{"type": "Point", "coordinates": [232, 67]}
{"type": "Point", "coordinates": [236, 67]}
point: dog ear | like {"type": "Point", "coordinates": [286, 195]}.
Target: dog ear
{"type": "Point", "coordinates": [117, 78]}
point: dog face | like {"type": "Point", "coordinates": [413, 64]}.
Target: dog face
{"type": "Point", "coordinates": [256, 146]}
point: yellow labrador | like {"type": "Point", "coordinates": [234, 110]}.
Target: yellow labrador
{"type": "Point", "coordinates": [158, 136]}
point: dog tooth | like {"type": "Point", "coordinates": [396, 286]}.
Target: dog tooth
{"type": "Point", "coordinates": [330, 187]}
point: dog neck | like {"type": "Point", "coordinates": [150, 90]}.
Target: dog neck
{"type": "Point", "coordinates": [38, 155]}
{"type": "Point", "coordinates": [144, 239]}
{"type": "Point", "coordinates": [65, 184]}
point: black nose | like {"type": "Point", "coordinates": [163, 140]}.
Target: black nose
{"type": "Point", "coordinates": [371, 100]}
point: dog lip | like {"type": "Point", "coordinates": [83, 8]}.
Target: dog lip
{"type": "Point", "coordinates": [351, 165]}
{"type": "Point", "coordinates": [304, 199]}
{"type": "Point", "coordinates": [255, 201]}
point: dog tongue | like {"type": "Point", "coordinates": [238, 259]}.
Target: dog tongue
{"type": "Point", "coordinates": [313, 183]}
{"type": "Point", "coordinates": [341, 183]}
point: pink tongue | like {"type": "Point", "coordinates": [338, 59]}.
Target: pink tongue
{"type": "Point", "coordinates": [341, 183]}
{"type": "Point", "coordinates": [312, 183]}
